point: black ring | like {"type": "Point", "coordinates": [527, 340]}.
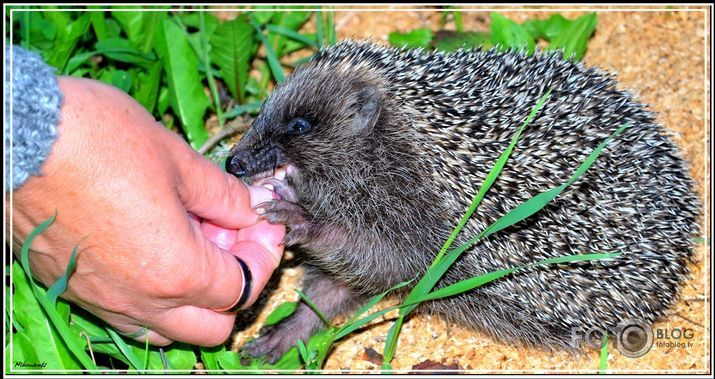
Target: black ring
{"type": "Point", "coordinates": [247, 285]}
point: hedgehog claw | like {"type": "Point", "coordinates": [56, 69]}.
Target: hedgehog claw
{"type": "Point", "coordinates": [292, 215]}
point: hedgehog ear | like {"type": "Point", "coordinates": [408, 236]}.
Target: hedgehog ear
{"type": "Point", "coordinates": [367, 109]}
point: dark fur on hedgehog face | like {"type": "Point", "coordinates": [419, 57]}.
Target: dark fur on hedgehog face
{"type": "Point", "coordinates": [316, 122]}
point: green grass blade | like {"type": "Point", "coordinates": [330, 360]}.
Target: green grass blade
{"type": "Point", "coordinates": [313, 307]}
{"type": "Point", "coordinates": [539, 201]}
{"type": "Point", "coordinates": [469, 284]}
{"type": "Point", "coordinates": [391, 342]}
{"type": "Point", "coordinates": [604, 356]}
{"type": "Point", "coordinates": [292, 34]}
{"type": "Point", "coordinates": [36, 327]}
{"type": "Point", "coordinates": [319, 27]}
{"type": "Point", "coordinates": [491, 177]}
{"type": "Point", "coordinates": [124, 348]}
{"type": "Point", "coordinates": [205, 47]}
{"type": "Point", "coordinates": [330, 25]}
{"type": "Point", "coordinates": [428, 281]}
{"type": "Point", "coordinates": [60, 285]}
{"type": "Point", "coordinates": [25, 251]}
{"type": "Point", "coordinates": [57, 322]}
{"type": "Point", "coordinates": [146, 353]}
{"type": "Point", "coordinates": [519, 213]}
{"type": "Point", "coordinates": [241, 109]}
{"type": "Point", "coordinates": [357, 324]}
{"type": "Point", "coordinates": [303, 352]}
{"type": "Point", "coordinates": [25, 29]}
{"type": "Point", "coordinates": [375, 300]}
{"type": "Point", "coordinates": [458, 20]}
{"type": "Point", "coordinates": [271, 56]}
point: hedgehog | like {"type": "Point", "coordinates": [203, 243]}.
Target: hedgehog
{"type": "Point", "coordinates": [375, 154]}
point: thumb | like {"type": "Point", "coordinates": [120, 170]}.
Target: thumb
{"type": "Point", "coordinates": [214, 195]}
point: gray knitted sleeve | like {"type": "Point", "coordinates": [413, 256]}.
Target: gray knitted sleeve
{"type": "Point", "coordinates": [32, 116]}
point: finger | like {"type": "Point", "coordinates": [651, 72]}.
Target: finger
{"type": "Point", "coordinates": [195, 325]}
{"type": "Point", "coordinates": [214, 195]}
{"type": "Point", "coordinates": [268, 236]}
{"type": "Point", "coordinates": [222, 237]}
{"type": "Point", "coordinates": [261, 262]}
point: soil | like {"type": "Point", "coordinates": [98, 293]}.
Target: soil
{"type": "Point", "coordinates": [660, 54]}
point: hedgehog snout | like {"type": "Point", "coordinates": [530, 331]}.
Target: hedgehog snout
{"type": "Point", "coordinates": [236, 166]}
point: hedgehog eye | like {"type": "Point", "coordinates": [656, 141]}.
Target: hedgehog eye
{"type": "Point", "coordinates": [298, 126]}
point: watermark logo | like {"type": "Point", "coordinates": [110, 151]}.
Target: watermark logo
{"type": "Point", "coordinates": [634, 338]}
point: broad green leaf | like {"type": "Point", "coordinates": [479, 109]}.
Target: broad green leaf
{"type": "Point", "coordinates": [38, 333]}
{"type": "Point", "coordinates": [210, 356]}
{"type": "Point", "coordinates": [573, 39]}
{"type": "Point", "coordinates": [451, 41]}
{"type": "Point", "coordinates": [140, 26]}
{"type": "Point", "coordinates": [415, 38]}
{"type": "Point", "coordinates": [506, 34]}
{"type": "Point", "coordinates": [119, 78]}
{"type": "Point", "coordinates": [57, 321]}
{"type": "Point", "coordinates": [98, 25]}
{"type": "Point", "coordinates": [146, 86]}
{"type": "Point", "coordinates": [206, 23]}
{"type": "Point", "coordinates": [229, 360]}
{"type": "Point", "coordinates": [262, 14]}
{"type": "Point", "coordinates": [186, 94]}
{"type": "Point", "coordinates": [60, 285]}
{"type": "Point", "coordinates": [113, 27]}
{"type": "Point", "coordinates": [78, 60]}
{"type": "Point", "coordinates": [232, 49]}
{"type": "Point", "coordinates": [123, 50]}
{"type": "Point", "coordinates": [36, 31]}
{"type": "Point", "coordinates": [178, 356]}
{"type": "Point", "coordinates": [130, 22]}
{"type": "Point", "coordinates": [281, 312]}
{"type": "Point", "coordinates": [546, 29]}
{"type": "Point", "coordinates": [66, 41]}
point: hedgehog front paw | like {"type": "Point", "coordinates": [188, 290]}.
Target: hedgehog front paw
{"type": "Point", "coordinates": [271, 345]}
{"type": "Point", "coordinates": [292, 215]}
{"type": "Point", "coordinates": [276, 340]}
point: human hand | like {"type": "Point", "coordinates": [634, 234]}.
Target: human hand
{"type": "Point", "coordinates": [156, 224]}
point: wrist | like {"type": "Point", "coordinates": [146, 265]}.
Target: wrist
{"type": "Point", "coordinates": [34, 99]}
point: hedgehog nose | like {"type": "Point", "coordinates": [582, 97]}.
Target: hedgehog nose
{"type": "Point", "coordinates": [235, 166]}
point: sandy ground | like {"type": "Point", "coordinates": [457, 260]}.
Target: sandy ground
{"type": "Point", "coordinates": [660, 55]}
